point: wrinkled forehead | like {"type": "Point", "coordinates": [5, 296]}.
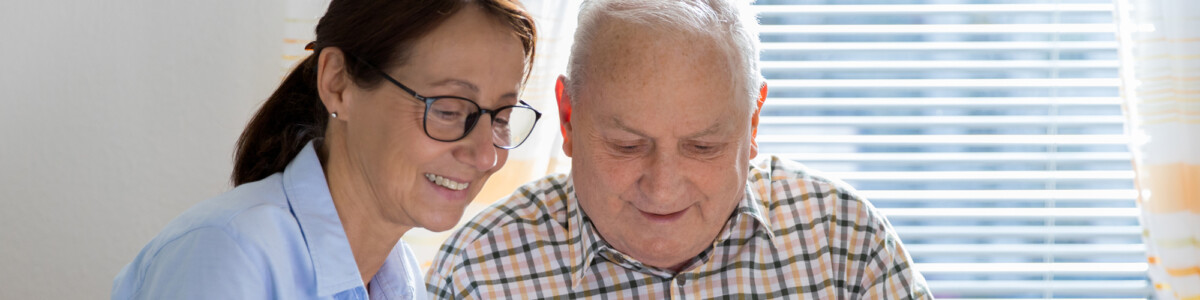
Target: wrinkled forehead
{"type": "Point", "coordinates": [630, 58]}
{"type": "Point", "coordinates": [642, 77]}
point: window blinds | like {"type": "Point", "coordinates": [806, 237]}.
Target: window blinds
{"type": "Point", "coordinates": [989, 132]}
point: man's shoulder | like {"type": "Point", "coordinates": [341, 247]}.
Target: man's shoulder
{"type": "Point", "coordinates": [825, 218]}
{"type": "Point", "coordinates": [789, 188]}
{"type": "Point", "coordinates": [781, 174]}
{"type": "Point", "coordinates": [533, 210]}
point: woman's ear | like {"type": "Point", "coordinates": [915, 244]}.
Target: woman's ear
{"type": "Point", "coordinates": [332, 81]}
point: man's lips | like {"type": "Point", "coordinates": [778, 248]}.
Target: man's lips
{"type": "Point", "coordinates": [663, 218]}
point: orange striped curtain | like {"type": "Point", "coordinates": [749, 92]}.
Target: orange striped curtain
{"type": "Point", "coordinates": [1160, 56]}
{"type": "Point", "coordinates": [299, 22]}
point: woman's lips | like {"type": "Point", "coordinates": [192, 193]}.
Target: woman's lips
{"type": "Point", "coordinates": [447, 182]}
{"type": "Point", "coordinates": [449, 188]}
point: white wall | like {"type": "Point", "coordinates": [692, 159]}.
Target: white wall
{"type": "Point", "coordinates": [115, 116]}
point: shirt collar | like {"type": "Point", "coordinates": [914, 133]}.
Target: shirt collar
{"type": "Point", "coordinates": [758, 194]}
{"type": "Point", "coordinates": [395, 279]}
{"type": "Point", "coordinates": [586, 243]}
{"type": "Point", "coordinates": [308, 194]}
{"type": "Point", "coordinates": [584, 239]}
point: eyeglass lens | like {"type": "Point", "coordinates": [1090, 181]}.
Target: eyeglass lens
{"type": "Point", "coordinates": [449, 119]}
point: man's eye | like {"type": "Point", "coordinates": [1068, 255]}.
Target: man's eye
{"type": "Point", "coordinates": [702, 149]}
{"type": "Point", "coordinates": [628, 149]}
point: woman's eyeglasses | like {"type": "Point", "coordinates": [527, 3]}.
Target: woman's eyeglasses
{"type": "Point", "coordinates": [451, 118]}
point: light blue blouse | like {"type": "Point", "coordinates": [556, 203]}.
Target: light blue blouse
{"type": "Point", "coordinates": [277, 238]}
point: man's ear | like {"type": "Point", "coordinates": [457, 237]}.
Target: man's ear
{"type": "Point", "coordinates": [762, 98]}
{"type": "Point", "coordinates": [564, 111]}
{"type": "Point", "coordinates": [332, 82]}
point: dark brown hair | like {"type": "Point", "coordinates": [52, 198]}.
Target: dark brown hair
{"type": "Point", "coordinates": [379, 32]}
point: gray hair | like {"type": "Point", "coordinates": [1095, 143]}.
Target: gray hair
{"type": "Point", "coordinates": [729, 22]}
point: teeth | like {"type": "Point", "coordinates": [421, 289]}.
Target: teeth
{"type": "Point", "coordinates": [447, 183]}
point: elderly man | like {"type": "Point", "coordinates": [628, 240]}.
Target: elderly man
{"type": "Point", "coordinates": [659, 112]}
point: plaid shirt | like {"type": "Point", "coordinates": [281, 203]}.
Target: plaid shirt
{"type": "Point", "coordinates": [794, 235]}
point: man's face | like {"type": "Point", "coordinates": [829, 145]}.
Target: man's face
{"type": "Point", "coordinates": [661, 141]}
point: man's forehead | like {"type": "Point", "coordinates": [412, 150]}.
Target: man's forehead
{"type": "Point", "coordinates": [623, 41]}
{"type": "Point", "coordinates": [699, 128]}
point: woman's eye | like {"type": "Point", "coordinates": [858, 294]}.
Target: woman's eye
{"type": "Point", "coordinates": [447, 114]}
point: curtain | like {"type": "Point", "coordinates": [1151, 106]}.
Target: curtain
{"type": "Point", "coordinates": [541, 154]}
{"type": "Point", "coordinates": [990, 134]}
{"type": "Point", "coordinates": [1160, 54]}
{"type": "Point", "coordinates": [299, 24]}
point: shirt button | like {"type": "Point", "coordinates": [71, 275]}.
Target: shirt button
{"type": "Point", "coordinates": [680, 280]}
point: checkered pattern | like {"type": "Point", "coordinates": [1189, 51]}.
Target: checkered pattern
{"type": "Point", "coordinates": [795, 235]}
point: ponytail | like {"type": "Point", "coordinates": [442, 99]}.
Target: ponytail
{"type": "Point", "coordinates": [291, 117]}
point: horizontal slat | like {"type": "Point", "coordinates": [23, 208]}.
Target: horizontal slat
{"type": "Point", "coordinates": [866, 103]}
{"type": "Point", "coordinates": [1099, 269]}
{"type": "Point", "coordinates": [1010, 213]}
{"type": "Point", "coordinates": [965, 140]}
{"type": "Point", "coordinates": [982, 175]}
{"type": "Point", "coordinates": [1057, 250]}
{"type": "Point", "coordinates": [936, 28]}
{"type": "Point", "coordinates": [1008, 287]}
{"type": "Point", "coordinates": [974, 298]}
{"type": "Point", "coordinates": [957, 157]}
{"type": "Point", "coordinates": [997, 195]}
{"type": "Point", "coordinates": [915, 232]}
{"type": "Point", "coordinates": [942, 83]}
{"type": "Point", "coordinates": [921, 65]}
{"type": "Point", "coordinates": [926, 243]}
{"type": "Point", "coordinates": [939, 46]}
{"type": "Point", "coordinates": [929, 8]}
{"type": "Point", "coordinates": [956, 121]}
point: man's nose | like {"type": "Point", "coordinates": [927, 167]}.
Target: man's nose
{"type": "Point", "coordinates": [663, 182]}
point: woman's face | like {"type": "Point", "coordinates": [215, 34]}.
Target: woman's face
{"type": "Point", "coordinates": [419, 181]}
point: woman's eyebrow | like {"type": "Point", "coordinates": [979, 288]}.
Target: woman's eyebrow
{"type": "Point", "coordinates": [458, 82]}
{"type": "Point", "coordinates": [471, 87]}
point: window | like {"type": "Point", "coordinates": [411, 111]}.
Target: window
{"type": "Point", "coordinates": [989, 132]}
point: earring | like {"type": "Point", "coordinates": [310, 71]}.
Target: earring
{"type": "Point", "coordinates": [334, 115]}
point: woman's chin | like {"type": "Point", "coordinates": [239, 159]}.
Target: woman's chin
{"type": "Point", "coordinates": [441, 221]}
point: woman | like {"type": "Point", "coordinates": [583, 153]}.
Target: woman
{"type": "Point", "coordinates": [396, 120]}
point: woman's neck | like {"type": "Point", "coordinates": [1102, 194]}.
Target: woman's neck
{"type": "Point", "coordinates": [371, 236]}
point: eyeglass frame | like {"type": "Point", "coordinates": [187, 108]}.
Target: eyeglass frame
{"type": "Point", "coordinates": [472, 122]}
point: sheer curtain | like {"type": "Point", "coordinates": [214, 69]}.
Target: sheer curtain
{"type": "Point", "coordinates": [539, 155]}
{"type": "Point", "coordinates": [299, 22]}
{"type": "Point", "coordinates": [1160, 54]}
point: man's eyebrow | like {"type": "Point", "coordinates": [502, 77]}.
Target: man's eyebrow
{"type": "Point", "coordinates": [712, 129]}
{"type": "Point", "coordinates": [617, 122]}
{"type": "Point", "coordinates": [474, 89]}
